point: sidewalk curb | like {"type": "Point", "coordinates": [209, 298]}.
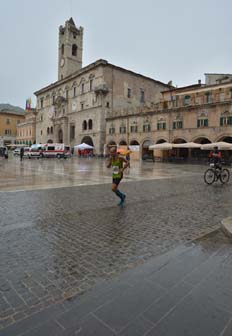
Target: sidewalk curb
{"type": "Point", "coordinates": [226, 226]}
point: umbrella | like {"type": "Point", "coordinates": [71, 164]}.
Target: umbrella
{"type": "Point", "coordinates": [187, 145]}
{"type": "Point", "coordinates": [163, 146]}
{"type": "Point", "coordinates": [221, 145]}
{"type": "Point", "coordinates": [83, 146]}
{"type": "Point", "coordinates": [123, 151]}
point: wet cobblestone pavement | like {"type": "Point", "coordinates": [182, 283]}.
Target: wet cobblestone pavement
{"type": "Point", "coordinates": [59, 243]}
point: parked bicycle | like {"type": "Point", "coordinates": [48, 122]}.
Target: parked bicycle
{"type": "Point", "coordinates": [216, 173]}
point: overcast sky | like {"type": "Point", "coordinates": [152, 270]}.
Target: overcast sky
{"type": "Point", "coordinates": [177, 40]}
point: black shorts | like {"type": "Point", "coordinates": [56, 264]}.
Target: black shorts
{"type": "Point", "coordinates": [116, 181]}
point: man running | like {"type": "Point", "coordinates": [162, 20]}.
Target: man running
{"type": "Point", "coordinates": [118, 164]}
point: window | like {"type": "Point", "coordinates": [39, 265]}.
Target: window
{"type": "Point", "coordinates": [41, 102]}
{"type": "Point", "coordinates": [90, 124]}
{"type": "Point", "coordinates": [74, 50]}
{"type": "Point", "coordinates": [186, 100]}
{"type": "Point", "coordinates": [226, 121]}
{"type": "Point", "coordinates": [177, 124]}
{"type": "Point", "coordinates": [62, 49]}
{"type": "Point", "coordinates": [202, 123]}
{"type": "Point", "coordinates": [142, 96]}
{"type": "Point", "coordinates": [82, 106]}
{"type": "Point", "coordinates": [51, 130]}
{"type": "Point", "coordinates": [48, 130]}
{"type": "Point", "coordinates": [84, 125]}
{"type": "Point", "coordinates": [8, 121]}
{"type": "Point", "coordinates": [111, 130]}
{"type": "Point", "coordinates": [91, 85]}
{"type": "Point", "coordinates": [41, 132]}
{"type": "Point", "coordinates": [74, 91]}
{"type": "Point", "coordinates": [66, 94]}
{"type": "Point", "coordinates": [128, 93]}
{"type": "Point", "coordinates": [72, 132]}
{"type": "Point", "coordinates": [53, 99]}
{"type": "Point", "coordinates": [208, 97]}
{"type": "Point", "coordinates": [51, 148]}
{"type": "Point", "coordinates": [107, 104]}
{"type": "Point", "coordinates": [18, 121]}
{"type": "Point", "coordinates": [146, 128]}
{"type": "Point", "coordinates": [161, 125]}
{"type": "Point", "coordinates": [134, 129]}
{"type": "Point", "coordinates": [122, 130]}
{"type": "Point", "coordinates": [82, 87]}
{"type": "Point", "coordinates": [222, 96]}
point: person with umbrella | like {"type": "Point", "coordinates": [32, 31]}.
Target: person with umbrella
{"type": "Point", "coordinates": [118, 164]}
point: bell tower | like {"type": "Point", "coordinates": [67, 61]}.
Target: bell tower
{"type": "Point", "coordinates": [70, 49]}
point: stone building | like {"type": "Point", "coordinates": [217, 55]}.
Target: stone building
{"type": "Point", "coordinates": [26, 133]}
{"type": "Point", "coordinates": [200, 113]}
{"type": "Point", "coordinates": [10, 117]}
{"type": "Point", "coordinates": [74, 109]}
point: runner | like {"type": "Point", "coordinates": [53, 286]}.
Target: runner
{"type": "Point", "coordinates": [118, 166]}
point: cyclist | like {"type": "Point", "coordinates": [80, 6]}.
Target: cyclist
{"type": "Point", "coordinates": [215, 156]}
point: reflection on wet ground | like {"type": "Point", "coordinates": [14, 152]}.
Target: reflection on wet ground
{"type": "Point", "coordinates": [57, 243]}
{"type": "Point", "coordinates": [54, 173]}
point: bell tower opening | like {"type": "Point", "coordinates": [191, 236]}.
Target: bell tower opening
{"type": "Point", "coordinates": [70, 49]}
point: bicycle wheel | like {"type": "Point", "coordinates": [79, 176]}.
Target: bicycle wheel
{"type": "Point", "coordinates": [209, 176]}
{"type": "Point", "coordinates": [225, 175]}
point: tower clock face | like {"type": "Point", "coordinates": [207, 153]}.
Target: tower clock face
{"type": "Point", "coordinates": [62, 61]}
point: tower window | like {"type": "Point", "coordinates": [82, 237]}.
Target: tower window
{"type": "Point", "coordinates": [90, 124]}
{"type": "Point", "coordinates": [142, 96]}
{"type": "Point", "coordinates": [91, 85]}
{"type": "Point", "coordinates": [74, 50]}
{"type": "Point", "coordinates": [74, 91]}
{"type": "Point", "coordinates": [62, 49]}
{"type": "Point", "coordinates": [128, 93]}
{"type": "Point", "coordinates": [82, 87]}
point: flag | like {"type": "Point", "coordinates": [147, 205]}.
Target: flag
{"type": "Point", "coordinates": [28, 104]}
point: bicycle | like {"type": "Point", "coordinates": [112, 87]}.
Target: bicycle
{"type": "Point", "coordinates": [214, 173]}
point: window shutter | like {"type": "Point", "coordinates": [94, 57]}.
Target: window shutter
{"type": "Point", "coordinates": [198, 123]}
{"type": "Point", "coordinates": [174, 125]}
{"type": "Point", "coordinates": [206, 122]}
{"type": "Point", "coordinates": [164, 126]}
{"type": "Point", "coordinates": [230, 120]}
{"type": "Point", "coordinates": [221, 121]}
{"type": "Point", "coordinates": [158, 126]}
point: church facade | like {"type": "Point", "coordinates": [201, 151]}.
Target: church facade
{"type": "Point", "coordinates": [75, 108]}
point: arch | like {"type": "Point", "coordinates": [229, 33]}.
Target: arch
{"type": "Point", "coordinates": [122, 143]}
{"type": "Point", "coordinates": [226, 138]}
{"type": "Point", "coordinates": [161, 141]}
{"type": "Point", "coordinates": [88, 140]}
{"type": "Point", "coordinates": [74, 50]}
{"type": "Point", "coordinates": [146, 143]}
{"type": "Point", "coordinates": [202, 140]}
{"type": "Point", "coordinates": [112, 143]}
{"type": "Point", "coordinates": [60, 136]}
{"type": "Point", "coordinates": [179, 141]}
{"type": "Point", "coordinates": [90, 124]}
{"type": "Point", "coordinates": [50, 141]}
{"type": "Point", "coordinates": [84, 125]}
{"type": "Point", "coordinates": [134, 143]}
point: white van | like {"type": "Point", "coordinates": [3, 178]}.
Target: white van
{"type": "Point", "coordinates": [57, 150]}
{"type": "Point", "coordinates": [35, 151]}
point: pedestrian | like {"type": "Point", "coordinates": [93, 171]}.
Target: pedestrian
{"type": "Point", "coordinates": [118, 164]}
{"type": "Point", "coordinates": [21, 153]}
{"type": "Point", "coordinates": [128, 157]}
{"type": "Point", "coordinates": [6, 153]}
